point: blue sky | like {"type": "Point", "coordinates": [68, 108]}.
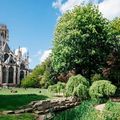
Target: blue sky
{"type": "Point", "coordinates": [31, 23]}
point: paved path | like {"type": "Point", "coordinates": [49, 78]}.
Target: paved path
{"type": "Point", "coordinates": [100, 107]}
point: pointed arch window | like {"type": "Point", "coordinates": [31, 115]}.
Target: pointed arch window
{"type": "Point", "coordinates": [4, 74]}
{"type": "Point", "coordinates": [11, 74]}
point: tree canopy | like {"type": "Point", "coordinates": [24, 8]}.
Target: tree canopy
{"type": "Point", "coordinates": [82, 41]}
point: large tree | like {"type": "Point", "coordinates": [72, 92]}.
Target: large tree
{"type": "Point", "coordinates": [116, 25]}
{"type": "Point", "coordinates": [82, 41]}
{"type": "Point", "coordinates": [112, 69]}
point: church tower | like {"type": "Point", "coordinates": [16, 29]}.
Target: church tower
{"type": "Point", "coordinates": [12, 67]}
{"type": "Point", "coordinates": [3, 36]}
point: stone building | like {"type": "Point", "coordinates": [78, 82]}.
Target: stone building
{"type": "Point", "coordinates": [13, 68]}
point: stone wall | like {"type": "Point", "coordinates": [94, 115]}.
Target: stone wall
{"type": "Point", "coordinates": [47, 106]}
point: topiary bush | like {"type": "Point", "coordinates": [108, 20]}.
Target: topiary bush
{"type": "Point", "coordinates": [74, 82]}
{"type": "Point", "coordinates": [102, 89]}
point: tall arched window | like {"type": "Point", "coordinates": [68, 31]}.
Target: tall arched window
{"type": "Point", "coordinates": [16, 76]}
{"type": "Point", "coordinates": [21, 75]}
{"type": "Point", "coordinates": [22, 66]}
{"type": "Point", "coordinates": [6, 57]}
{"type": "Point", "coordinates": [4, 74]}
{"type": "Point", "coordinates": [11, 75]}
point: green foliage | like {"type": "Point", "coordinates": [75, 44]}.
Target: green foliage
{"type": "Point", "coordinates": [83, 39]}
{"type": "Point", "coordinates": [116, 25]}
{"type": "Point", "coordinates": [28, 82]}
{"type": "Point", "coordinates": [81, 91]}
{"type": "Point", "coordinates": [96, 77]}
{"type": "Point", "coordinates": [102, 89]}
{"type": "Point", "coordinates": [112, 111]}
{"type": "Point", "coordinates": [41, 76]}
{"type": "Point", "coordinates": [57, 88]}
{"type": "Point", "coordinates": [74, 82]}
{"type": "Point", "coordinates": [85, 111]}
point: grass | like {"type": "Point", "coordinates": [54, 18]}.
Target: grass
{"type": "Point", "coordinates": [12, 101]}
{"type": "Point", "coordinates": [112, 111]}
{"type": "Point", "coordinates": [6, 91]}
{"type": "Point", "coordinates": [86, 111]}
{"type": "Point", "coordinates": [18, 117]}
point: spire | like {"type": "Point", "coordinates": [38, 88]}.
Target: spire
{"type": "Point", "coordinates": [28, 55]}
{"type": "Point", "coordinates": [14, 51]}
{"type": "Point", "coordinates": [19, 53]}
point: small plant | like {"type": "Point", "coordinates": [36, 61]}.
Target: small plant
{"type": "Point", "coordinates": [102, 88]}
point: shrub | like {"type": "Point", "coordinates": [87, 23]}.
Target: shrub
{"type": "Point", "coordinates": [102, 88]}
{"type": "Point", "coordinates": [81, 91]}
{"type": "Point", "coordinates": [53, 88]}
{"type": "Point", "coordinates": [30, 81]}
{"type": "Point", "coordinates": [57, 88]}
{"type": "Point", "coordinates": [96, 77]}
{"type": "Point", "coordinates": [112, 111]}
{"type": "Point", "coordinates": [60, 87]}
{"type": "Point", "coordinates": [41, 76]}
{"type": "Point", "coordinates": [73, 82]}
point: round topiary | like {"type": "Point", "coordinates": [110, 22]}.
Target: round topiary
{"type": "Point", "coordinates": [102, 88]}
{"type": "Point", "coordinates": [73, 82]}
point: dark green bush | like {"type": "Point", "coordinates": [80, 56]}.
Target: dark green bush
{"type": "Point", "coordinates": [74, 82]}
{"type": "Point", "coordinates": [102, 89]}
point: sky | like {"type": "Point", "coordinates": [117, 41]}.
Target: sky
{"type": "Point", "coordinates": [31, 23]}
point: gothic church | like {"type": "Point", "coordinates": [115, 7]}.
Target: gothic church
{"type": "Point", "coordinates": [13, 68]}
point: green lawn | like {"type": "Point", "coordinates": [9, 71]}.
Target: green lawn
{"type": "Point", "coordinates": [18, 117]}
{"type": "Point", "coordinates": [12, 101]}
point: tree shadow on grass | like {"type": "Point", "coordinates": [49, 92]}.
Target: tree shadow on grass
{"type": "Point", "coordinates": [13, 102]}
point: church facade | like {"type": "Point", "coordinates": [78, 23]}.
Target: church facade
{"type": "Point", "coordinates": [13, 67]}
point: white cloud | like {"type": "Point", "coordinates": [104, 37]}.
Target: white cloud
{"type": "Point", "coordinates": [23, 50]}
{"type": "Point", "coordinates": [68, 5]}
{"type": "Point", "coordinates": [38, 53]}
{"type": "Point", "coordinates": [57, 4]}
{"type": "Point", "coordinates": [45, 55]}
{"type": "Point", "coordinates": [109, 8]}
